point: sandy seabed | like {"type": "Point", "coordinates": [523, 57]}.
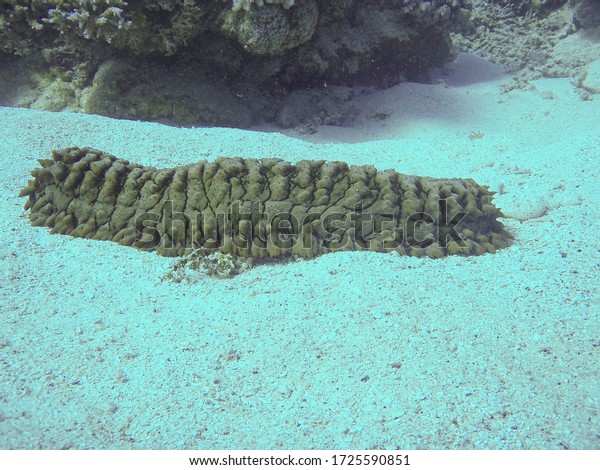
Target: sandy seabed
{"type": "Point", "coordinates": [349, 350]}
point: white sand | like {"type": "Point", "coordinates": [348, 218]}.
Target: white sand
{"type": "Point", "coordinates": [498, 351]}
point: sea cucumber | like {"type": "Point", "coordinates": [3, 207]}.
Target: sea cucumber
{"type": "Point", "coordinates": [261, 208]}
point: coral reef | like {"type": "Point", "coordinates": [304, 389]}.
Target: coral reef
{"type": "Point", "coordinates": [119, 90]}
{"type": "Point", "coordinates": [142, 27]}
{"type": "Point", "coordinates": [270, 29]}
{"type": "Point", "coordinates": [242, 62]}
{"type": "Point", "coordinates": [523, 35]}
{"type": "Point", "coordinates": [523, 7]}
{"type": "Point", "coordinates": [259, 51]}
{"type": "Point", "coordinates": [264, 208]}
{"type": "Point", "coordinates": [491, 34]}
{"type": "Point", "coordinates": [587, 13]}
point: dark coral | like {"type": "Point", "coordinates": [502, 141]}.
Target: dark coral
{"type": "Point", "coordinates": [259, 51]}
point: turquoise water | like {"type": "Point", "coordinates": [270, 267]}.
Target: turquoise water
{"type": "Point", "coordinates": [105, 346]}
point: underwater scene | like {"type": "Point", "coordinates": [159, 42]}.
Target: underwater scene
{"type": "Point", "coordinates": [300, 224]}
